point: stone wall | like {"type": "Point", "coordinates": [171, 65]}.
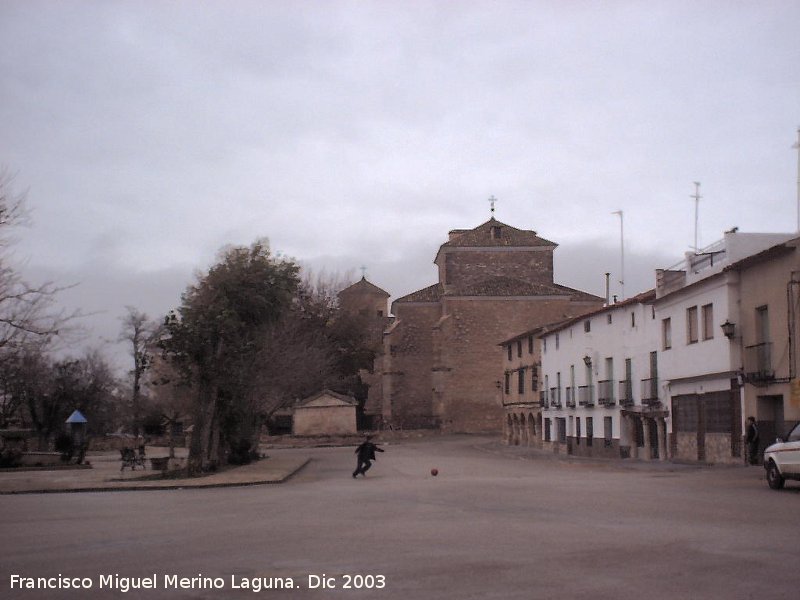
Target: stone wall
{"type": "Point", "coordinates": [685, 446]}
{"type": "Point", "coordinates": [718, 449]}
{"type": "Point", "coordinates": [324, 420]}
{"type": "Point", "coordinates": [471, 357]}
{"type": "Point", "coordinates": [464, 269]}
{"type": "Point", "coordinates": [407, 375]}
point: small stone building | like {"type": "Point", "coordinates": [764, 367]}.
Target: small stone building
{"type": "Point", "coordinates": [325, 413]}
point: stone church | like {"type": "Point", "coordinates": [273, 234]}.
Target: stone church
{"type": "Point", "coordinates": [441, 352]}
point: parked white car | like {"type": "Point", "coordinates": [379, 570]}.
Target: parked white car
{"type": "Point", "coordinates": [782, 459]}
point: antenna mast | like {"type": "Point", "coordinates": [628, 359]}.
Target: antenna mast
{"type": "Point", "coordinates": [696, 197]}
{"type": "Point", "coordinates": [621, 253]}
{"type": "Point", "coordinates": [797, 147]}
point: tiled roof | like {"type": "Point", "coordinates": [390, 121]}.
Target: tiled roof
{"type": "Point", "coordinates": [509, 286]}
{"type": "Point", "coordinates": [481, 237]}
{"type": "Point", "coordinates": [644, 298]}
{"type": "Point", "coordinates": [429, 294]}
{"type": "Point", "coordinates": [364, 286]}
{"type": "Point", "coordinates": [500, 287]}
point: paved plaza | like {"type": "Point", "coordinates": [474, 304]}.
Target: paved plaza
{"type": "Point", "coordinates": [496, 523]}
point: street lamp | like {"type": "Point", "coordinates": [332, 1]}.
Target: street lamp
{"type": "Point", "coordinates": [728, 329]}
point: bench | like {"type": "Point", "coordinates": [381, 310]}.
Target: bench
{"type": "Point", "coordinates": [132, 459]}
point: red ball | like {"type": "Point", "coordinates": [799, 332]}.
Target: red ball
{"type": "Point", "coordinates": [434, 472]}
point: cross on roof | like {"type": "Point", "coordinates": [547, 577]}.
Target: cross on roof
{"type": "Point", "coordinates": [492, 200]}
{"type": "Point", "coordinates": [363, 272]}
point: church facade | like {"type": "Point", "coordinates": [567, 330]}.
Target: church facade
{"type": "Point", "coordinates": [438, 368]}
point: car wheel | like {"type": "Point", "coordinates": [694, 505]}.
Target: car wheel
{"type": "Point", "coordinates": [774, 477]}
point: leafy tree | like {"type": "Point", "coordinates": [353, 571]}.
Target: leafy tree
{"type": "Point", "coordinates": [214, 339]}
{"type": "Point", "coordinates": [51, 390]}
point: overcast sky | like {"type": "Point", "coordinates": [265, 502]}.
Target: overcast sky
{"type": "Point", "coordinates": [150, 134]}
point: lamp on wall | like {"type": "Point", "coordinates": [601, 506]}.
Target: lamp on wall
{"type": "Point", "coordinates": [728, 329]}
{"type": "Point", "coordinates": [587, 360]}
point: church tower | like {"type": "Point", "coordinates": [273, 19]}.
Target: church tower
{"type": "Point", "coordinates": [494, 281]}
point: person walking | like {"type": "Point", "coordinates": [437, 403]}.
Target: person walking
{"type": "Point", "coordinates": [366, 454]}
{"type": "Point", "coordinates": [751, 439]}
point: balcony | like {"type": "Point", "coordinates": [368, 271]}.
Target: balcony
{"type": "Point", "coordinates": [650, 392]}
{"type": "Point", "coordinates": [555, 397]}
{"type": "Point", "coordinates": [585, 395]}
{"type": "Point", "coordinates": [758, 363]}
{"type": "Point", "coordinates": [570, 393]}
{"type": "Point", "coordinates": [625, 392]}
{"type": "Point", "coordinates": [605, 392]}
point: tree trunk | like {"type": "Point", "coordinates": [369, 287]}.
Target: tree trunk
{"type": "Point", "coordinates": [204, 412]}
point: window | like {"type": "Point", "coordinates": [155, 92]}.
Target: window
{"type": "Point", "coordinates": [762, 325]}
{"type": "Point", "coordinates": [497, 232]}
{"type": "Point", "coordinates": [589, 430]}
{"type": "Point", "coordinates": [519, 348]}
{"type": "Point", "coordinates": [557, 342]}
{"type": "Point", "coordinates": [509, 352]}
{"type": "Point", "coordinates": [544, 344]}
{"type": "Point", "coordinates": [708, 322]}
{"type": "Point", "coordinates": [633, 319]}
{"type": "Point", "coordinates": [578, 431]}
{"type": "Point", "coordinates": [691, 325]}
{"type": "Point", "coordinates": [587, 326]}
{"type": "Point", "coordinates": [608, 318]}
{"type": "Point", "coordinates": [508, 383]}
{"type": "Point", "coordinates": [666, 333]}
{"type": "Point", "coordinates": [530, 344]}
{"type": "Point", "coordinates": [608, 431]}
{"type": "Point", "coordinates": [547, 430]}
{"type": "Point", "coordinates": [521, 381]}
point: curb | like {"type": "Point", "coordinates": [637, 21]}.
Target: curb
{"type": "Point", "coordinates": [163, 487]}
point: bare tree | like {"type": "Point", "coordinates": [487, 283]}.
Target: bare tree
{"type": "Point", "coordinates": [26, 311]}
{"type": "Point", "coordinates": [141, 333]}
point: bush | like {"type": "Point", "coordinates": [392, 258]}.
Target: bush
{"type": "Point", "coordinates": [10, 458]}
{"type": "Point", "coordinates": [241, 453]}
{"type": "Point", "coordinates": [65, 446]}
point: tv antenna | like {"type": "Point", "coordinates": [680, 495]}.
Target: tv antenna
{"type": "Point", "coordinates": [696, 197]}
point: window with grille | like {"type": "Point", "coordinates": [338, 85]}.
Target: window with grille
{"type": "Point", "coordinates": [708, 322]}
{"type": "Point", "coordinates": [691, 325]}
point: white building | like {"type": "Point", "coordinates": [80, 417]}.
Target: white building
{"type": "Point", "coordinates": [654, 376]}
{"type": "Point", "coordinates": [700, 364]}
{"type": "Point", "coordinates": [599, 373]}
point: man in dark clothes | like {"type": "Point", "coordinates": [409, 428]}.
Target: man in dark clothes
{"type": "Point", "coordinates": [751, 439]}
{"type": "Point", "coordinates": [366, 454]}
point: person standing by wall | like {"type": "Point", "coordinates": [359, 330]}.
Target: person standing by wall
{"type": "Point", "coordinates": [751, 439]}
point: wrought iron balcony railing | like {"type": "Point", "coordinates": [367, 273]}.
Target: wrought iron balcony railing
{"type": "Point", "coordinates": [625, 392]}
{"type": "Point", "coordinates": [605, 392]}
{"type": "Point", "coordinates": [586, 395]}
{"type": "Point", "coordinates": [758, 362]}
